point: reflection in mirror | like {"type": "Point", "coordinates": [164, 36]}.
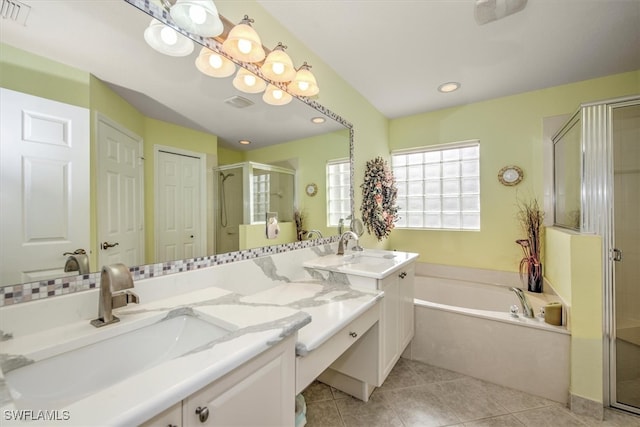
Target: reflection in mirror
{"type": "Point", "coordinates": [567, 155]}
{"type": "Point", "coordinates": [72, 52]}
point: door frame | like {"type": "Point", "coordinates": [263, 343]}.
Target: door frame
{"type": "Point", "coordinates": [610, 335]}
{"type": "Point", "coordinates": [101, 117]}
{"type": "Point", "coordinates": [202, 240]}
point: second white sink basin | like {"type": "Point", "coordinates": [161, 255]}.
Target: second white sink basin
{"type": "Point", "coordinates": [65, 378]}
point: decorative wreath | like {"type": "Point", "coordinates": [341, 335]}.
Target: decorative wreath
{"type": "Point", "coordinates": [379, 193]}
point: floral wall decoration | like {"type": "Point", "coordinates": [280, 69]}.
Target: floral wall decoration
{"type": "Point", "coordinates": [379, 193]}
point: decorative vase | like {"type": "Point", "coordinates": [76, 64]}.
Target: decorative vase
{"type": "Point", "coordinates": [534, 276]}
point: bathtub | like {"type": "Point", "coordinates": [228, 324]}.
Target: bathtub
{"type": "Point", "coordinates": [466, 327]}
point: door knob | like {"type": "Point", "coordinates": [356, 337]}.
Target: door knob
{"type": "Point", "coordinates": [106, 245]}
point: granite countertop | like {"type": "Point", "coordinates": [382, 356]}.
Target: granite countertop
{"type": "Point", "coordinates": [314, 309]}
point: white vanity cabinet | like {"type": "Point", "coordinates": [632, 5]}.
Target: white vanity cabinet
{"type": "Point", "coordinates": [260, 392]}
{"type": "Point", "coordinates": [396, 319]}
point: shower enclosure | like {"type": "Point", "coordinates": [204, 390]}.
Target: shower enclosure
{"type": "Point", "coordinates": [245, 193]}
{"type": "Point", "coordinates": [597, 190]}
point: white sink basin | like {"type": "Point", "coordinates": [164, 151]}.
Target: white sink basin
{"type": "Point", "coordinates": [67, 377]}
{"type": "Point", "coordinates": [369, 263]}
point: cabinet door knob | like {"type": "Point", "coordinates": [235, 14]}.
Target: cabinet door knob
{"type": "Point", "coordinates": [353, 334]}
{"type": "Point", "coordinates": [403, 275]}
{"type": "Point", "coordinates": [202, 413]}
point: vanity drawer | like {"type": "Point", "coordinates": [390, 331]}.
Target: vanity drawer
{"type": "Point", "coordinates": [310, 366]}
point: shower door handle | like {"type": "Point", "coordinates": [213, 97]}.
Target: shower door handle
{"type": "Point", "coordinates": [617, 254]}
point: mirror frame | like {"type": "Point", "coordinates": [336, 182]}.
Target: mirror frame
{"type": "Point", "coordinates": [25, 292]}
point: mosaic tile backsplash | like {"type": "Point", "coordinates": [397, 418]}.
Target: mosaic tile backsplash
{"type": "Point", "coordinates": [20, 293]}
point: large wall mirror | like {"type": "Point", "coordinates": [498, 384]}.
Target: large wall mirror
{"type": "Point", "coordinates": [93, 54]}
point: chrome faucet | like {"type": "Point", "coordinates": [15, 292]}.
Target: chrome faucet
{"type": "Point", "coordinates": [344, 237]}
{"type": "Point", "coordinates": [77, 261]}
{"type": "Point", "coordinates": [317, 233]}
{"type": "Point", "coordinates": [527, 310]}
{"type": "Point", "coordinates": [114, 281]}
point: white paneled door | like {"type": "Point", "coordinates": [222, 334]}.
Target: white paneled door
{"type": "Point", "coordinates": [44, 185]}
{"type": "Point", "coordinates": [179, 205]}
{"type": "Point", "coordinates": [120, 195]}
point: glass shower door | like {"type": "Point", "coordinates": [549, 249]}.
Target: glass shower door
{"type": "Point", "coordinates": [626, 255]}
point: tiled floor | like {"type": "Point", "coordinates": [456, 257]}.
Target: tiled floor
{"type": "Point", "coordinates": [420, 395]}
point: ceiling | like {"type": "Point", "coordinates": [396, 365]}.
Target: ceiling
{"type": "Point", "coordinates": [394, 52]}
{"type": "Point", "coordinates": [397, 52]}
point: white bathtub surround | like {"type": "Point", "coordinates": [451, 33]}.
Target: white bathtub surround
{"type": "Point", "coordinates": [263, 303]}
{"type": "Point", "coordinates": [466, 327]}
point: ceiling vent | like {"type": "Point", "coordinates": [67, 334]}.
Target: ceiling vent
{"type": "Point", "coordinates": [15, 11]}
{"type": "Point", "coordinates": [238, 102]}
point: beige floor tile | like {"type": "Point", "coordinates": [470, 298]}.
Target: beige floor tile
{"type": "Point", "coordinates": [323, 414]}
{"type": "Point", "coordinates": [401, 376]}
{"type": "Point", "coordinates": [551, 416]}
{"type": "Point", "coordinates": [317, 392]}
{"type": "Point", "coordinates": [612, 418]}
{"type": "Point", "coordinates": [418, 406]}
{"type": "Point", "coordinates": [468, 401]}
{"type": "Point", "coordinates": [512, 400]}
{"type": "Point", "coordinates": [501, 421]}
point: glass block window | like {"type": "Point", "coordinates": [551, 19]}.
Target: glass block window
{"type": "Point", "coordinates": [338, 191]}
{"type": "Point", "coordinates": [439, 186]}
{"type": "Point", "coordinates": [261, 188]}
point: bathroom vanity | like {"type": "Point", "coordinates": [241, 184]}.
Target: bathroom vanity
{"type": "Point", "coordinates": [250, 335]}
{"type": "Point", "coordinates": [393, 273]}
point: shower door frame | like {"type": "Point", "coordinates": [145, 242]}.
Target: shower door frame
{"type": "Point", "coordinates": [610, 331]}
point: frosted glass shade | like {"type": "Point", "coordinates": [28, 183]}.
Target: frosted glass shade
{"type": "Point", "coordinates": [304, 83]}
{"type": "Point", "coordinates": [248, 82]}
{"type": "Point", "coordinates": [197, 17]}
{"type": "Point", "coordinates": [243, 43]}
{"type": "Point", "coordinates": [166, 40]}
{"type": "Point", "coordinates": [278, 66]}
{"type": "Point", "coordinates": [213, 64]}
{"type": "Point", "coordinates": [276, 96]}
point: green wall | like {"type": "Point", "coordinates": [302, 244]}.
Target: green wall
{"type": "Point", "coordinates": [510, 133]}
{"type": "Point", "coordinates": [574, 270]}
{"type": "Point", "coordinates": [310, 155]}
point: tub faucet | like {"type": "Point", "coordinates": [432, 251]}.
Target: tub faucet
{"type": "Point", "coordinates": [526, 305]}
{"type": "Point", "coordinates": [343, 238]}
{"type": "Point", "coordinates": [115, 280]}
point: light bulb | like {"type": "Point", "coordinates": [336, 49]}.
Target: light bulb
{"type": "Point", "coordinates": [277, 94]}
{"type": "Point", "coordinates": [197, 14]}
{"type": "Point", "coordinates": [169, 36]}
{"type": "Point", "coordinates": [303, 85]}
{"type": "Point", "coordinates": [215, 61]}
{"type": "Point", "coordinates": [278, 67]}
{"type": "Point", "coordinates": [250, 80]}
{"type": "Point", "coordinates": [244, 46]}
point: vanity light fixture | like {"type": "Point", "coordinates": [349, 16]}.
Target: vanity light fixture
{"type": "Point", "coordinates": [213, 64]}
{"type": "Point", "coordinates": [278, 66]}
{"type": "Point", "coordinates": [197, 17]}
{"type": "Point", "coordinates": [276, 96]}
{"type": "Point", "coordinates": [243, 43]}
{"type": "Point", "coordinates": [248, 82]}
{"type": "Point", "coordinates": [448, 87]}
{"type": "Point", "coordinates": [318, 120]}
{"type": "Point", "coordinates": [304, 83]}
{"type": "Point", "coordinates": [166, 40]}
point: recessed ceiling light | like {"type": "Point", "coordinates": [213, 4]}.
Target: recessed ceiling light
{"type": "Point", "coordinates": [449, 87]}
{"type": "Point", "coordinates": [318, 120]}
{"type": "Point", "coordinates": [244, 142]}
